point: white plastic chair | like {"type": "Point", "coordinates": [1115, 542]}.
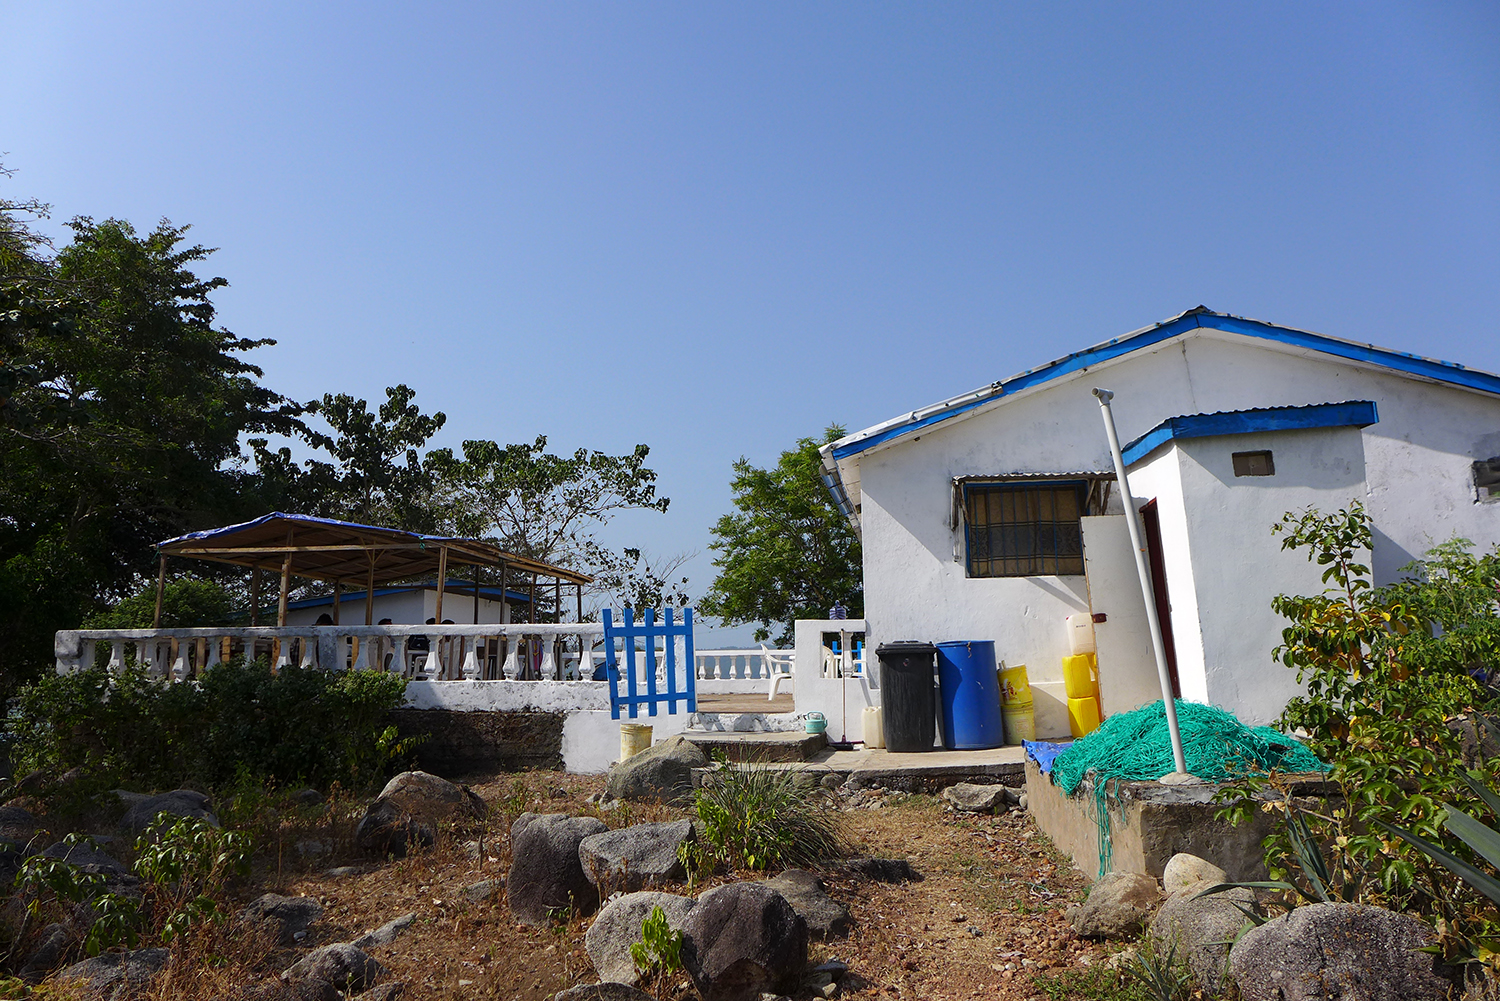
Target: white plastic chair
{"type": "Point", "coordinates": [778, 666]}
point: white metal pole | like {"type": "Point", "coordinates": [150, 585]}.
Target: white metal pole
{"type": "Point", "coordinates": [1147, 592]}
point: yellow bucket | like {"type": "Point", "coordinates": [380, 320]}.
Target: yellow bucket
{"type": "Point", "coordinates": [634, 738]}
{"type": "Point", "coordinates": [1016, 711]}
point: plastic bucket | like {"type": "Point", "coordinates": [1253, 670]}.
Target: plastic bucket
{"type": "Point", "coordinates": [634, 738]}
{"type": "Point", "coordinates": [970, 693]}
{"type": "Point", "coordinates": [1016, 709]}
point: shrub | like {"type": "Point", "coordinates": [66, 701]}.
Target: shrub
{"type": "Point", "coordinates": [1394, 676]}
{"type": "Point", "coordinates": [759, 818]}
{"type": "Point", "coordinates": [240, 719]}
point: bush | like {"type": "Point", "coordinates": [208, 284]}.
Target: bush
{"type": "Point", "coordinates": [240, 720]}
{"type": "Point", "coordinates": [760, 818]}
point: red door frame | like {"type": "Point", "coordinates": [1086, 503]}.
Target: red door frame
{"type": "Point", "coordinates": [1151, 525]}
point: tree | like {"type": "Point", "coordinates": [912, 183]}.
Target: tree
{"type": "Point", "coordinates": [788, 553]}
{"type": "Point", "coordinates": [122, 408]}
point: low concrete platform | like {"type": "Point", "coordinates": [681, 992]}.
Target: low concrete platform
{"type": "Point", "coordinates": [929, 772]}
{"type": "Point", "coordinates": [786, 746]}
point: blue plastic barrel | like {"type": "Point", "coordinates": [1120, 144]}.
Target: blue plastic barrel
{"type": "Point", "coordinates": [970, 693]}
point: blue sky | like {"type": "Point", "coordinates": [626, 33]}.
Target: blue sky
{"type": "Point", "coordinates": [716, 228]}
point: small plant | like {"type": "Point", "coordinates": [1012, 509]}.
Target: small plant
{"type": "Point", "coordinates": [658, 954]}
{"type": "Point", "coordinates": [186, 863]}
{"type": "Point", "coordinates": [757, 817]}
{"type": "Point", "coordinates": [1309, 876]}
{"type": "Point", "coordinates": [1164, 978]}
{"type": "Point", "coordinates": [44, 881]}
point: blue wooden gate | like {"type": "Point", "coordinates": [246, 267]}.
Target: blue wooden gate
{"type": "Point", "coordinates": [650, 631]}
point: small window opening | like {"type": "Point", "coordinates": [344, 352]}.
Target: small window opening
{"type": "Point", "coordinates": [1025, 529]}
{"type": "Point", "coordinates": [1254, 464]}
{"type": "Point", "coordinates": [1487, 478]}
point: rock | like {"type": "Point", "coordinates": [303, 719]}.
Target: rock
{"type": "Point", "coordinates": [179, 803]}
{"type": "Point", "coordinates": [310, 989]}
{"type": "Point", "coordinates": [343, 871]}
{"type": "Point", "coordinates": [742, 940]}
{"type": "Point", "coordinates": [481, 891]}
{"type": "Point", "coordinates": [88, 858]}
{"type": "Point", "coordinates": [385, 992]}
{"type": "Point", "coordinates": [386, 829]}
{"type": "Point", "coordinates": [825, 917]}
{"type": "Point", "coordinates": [1022, 801]}
{"type": "Point", "coordinates": [343, 965]}
{"type": "Point", "coordinates": [618, 927]}
{"type": "Point", "coordinates": [545, 874]}
{"type": "Point", "coordinates": [1337, 951]}
{"type": "Point", "coordinates": [17, 826]}
{"type": "Point", "coordinates": [386, 933]}
{"type": "Point", "coordinates": [970, 798]}
{"type": "Point", "coordinates": [662, 772]}
{"type": "Point", "coordinates": [115, 976]}
{"type": "Point", "coordinates": [601, 992]}
{"type": "Point", "coordinates": [633, 858]}
{"type": "Point", "coordinates": [408, 810]}
{"type": "Point", "coordinates": [1118, 906]}
{"type": "Point", "coordinates": [1189, 872]}
{"type": "Point", "coordinates": [48, 954]}
{"type": "Point", "coordinates": [307, 798]}
{"type": "Point", "coordinates": [882, 870]}
{"type": "Point", "coordinates": [282, 917]}
{"type": "Point", "coordinates": [1202, 929]}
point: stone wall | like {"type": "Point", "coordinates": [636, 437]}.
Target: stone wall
{"type": "Point", "coordinates": [461, 743]}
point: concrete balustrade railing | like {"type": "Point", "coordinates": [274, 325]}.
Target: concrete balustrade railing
{"type": "Point", "coordinates": [731, 664]}
{"type": "Point", "coordinates": [484, 652]}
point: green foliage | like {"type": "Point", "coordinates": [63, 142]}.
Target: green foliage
{"type": "Point", "coordinates": [1309, 877]}
{"type": "Point", "coordinates": [658, 954]}
{"type": "Point", "coordinates": [756, 817]}
{"type": "Point", "coordinates": [187, 601]}
{"type": "Point", "coordinates": [1164, 978]}
{"type": "Point", "coordinates": [186, 864]}
{"type": "Point", "coordinates": [1098, 983]}
{"type": "Point", "coordinates": [44, 881]}
{"type": "Point", "coordinates": [787, 553]}
{"type": "Point", "coordinates": [1392, 675]}
{"type": "Point", "coordinates": [240, 719]}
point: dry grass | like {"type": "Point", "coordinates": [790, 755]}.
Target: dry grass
{"type": "Point", "coordinates": [995, 874]}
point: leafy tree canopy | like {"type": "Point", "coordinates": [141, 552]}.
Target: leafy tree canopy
{"type": "Point", "coordinates": [787, 553]}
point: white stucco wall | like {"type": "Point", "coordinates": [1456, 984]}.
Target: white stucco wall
{"type": "Point", "coordinates": [406, 607]}
{"type": "Point", "coordinates": [1417, 484]}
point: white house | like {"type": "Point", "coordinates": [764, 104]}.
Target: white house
{"type": "Point", "coordinates": [994, 515]}
{"type": "Point", "coordinates": [411, 604]}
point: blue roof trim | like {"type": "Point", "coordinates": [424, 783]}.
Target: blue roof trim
{"type": "Point", "coordinates": [1399, 361]}
{"type": "Point", "coordinates": [454, 586]}
{"type": "Point", "coordinates": [1356, 413]}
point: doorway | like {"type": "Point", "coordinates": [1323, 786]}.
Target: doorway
{"type": "Point", "coordinates": [1151, 525]}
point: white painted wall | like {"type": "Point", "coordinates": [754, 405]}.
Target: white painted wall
{"type": "Point", "coordinates": [1417, 483]}
{"type": "Point", "coordinates": [406, 607]}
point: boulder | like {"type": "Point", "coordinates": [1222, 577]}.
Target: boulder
{"type": "Point", "coordinates": [408, 810]}
{"type": "Point", "coordinates": [662, 772]}
{"type": "Point", "coordinates": [1185, 873]}
{"type": "Point", "coordinates": [882, 870]}
{"type": "Point", "coordinates": [618, 927]}
{"type": "Point", "coordinates": [385, 992]}
{"type": "Point", "coordinates": [601, 992]}
{"type": "Point", "coordinates": [285, 918]}
{"type": "Point", "coordinates": [17, 826]}
{"type": "Point", "coordinates": [1202, 929]}
{"type": "Point", "coordinates": [88, 858]}
{"type": "Point", "coordinates": [633, 858]}
{"type": "Point", "coordinates": [343, 965]}
{"type": "Point", "coordinates": [179, 803]}
{"type": "Point", "coordinates": [310, 989]}
{"type": "Point", "coordinates": [742, 940]}
{"type": "Point", "coordinates": [116, 976]}
{"type": "Point", "coordinates": [969, 798]}
{"type": "Point", "coordinates": [545, 874]}
{"type": "Point", "coordinates": [48, 954]}
{"type": "Point", "coordinates": [476, 893]}
{"type": "Point", "coordinates": [825, 917]}
{"type": "Point", "coordinates": [1337, 951]}
{"type": "Point", "coordinates": [386, 933]}
{"type": "Point", "coordinates": [1118, 906]}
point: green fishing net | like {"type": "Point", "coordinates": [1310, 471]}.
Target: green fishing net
{"type": "Point", "coordinates": [1136, 746]}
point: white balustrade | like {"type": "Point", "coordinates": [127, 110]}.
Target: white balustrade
{"type": "Point", "coordinates": [732, 664]}
{"type": "Point", "coordinates": [530, 650]}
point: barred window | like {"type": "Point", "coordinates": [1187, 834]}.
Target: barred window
{"type": "Point", "coordinates": [1025, 529]}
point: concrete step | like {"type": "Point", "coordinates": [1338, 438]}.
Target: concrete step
{"type": "Point", "coordinates": [791, 745]}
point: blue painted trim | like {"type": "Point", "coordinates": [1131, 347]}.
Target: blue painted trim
{"type": "Point", "coordinates": [1450, 373]}
{"type": "Point", "coordinates": [1356, 413]}
{"type": "Point", "coordinates": [649, 630]}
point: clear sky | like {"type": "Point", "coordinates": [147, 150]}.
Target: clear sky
{"type": "Point", "coordinates": [715, 228]}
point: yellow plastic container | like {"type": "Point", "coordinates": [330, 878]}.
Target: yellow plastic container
{"type": "Point", "coordinates": [1078, 675]}
{"type": "Point", "coordinates": [634, 738]}
{"type": "Point", "coordinates": [1083, 716]}
{"type": "Point", "coordinates": [1017, 712]}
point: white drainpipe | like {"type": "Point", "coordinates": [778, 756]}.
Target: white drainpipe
{"type": "Point", "coordinates": [1133, 524]}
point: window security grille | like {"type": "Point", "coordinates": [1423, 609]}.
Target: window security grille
{"type": "Point", "coordinates": [1025, 529]}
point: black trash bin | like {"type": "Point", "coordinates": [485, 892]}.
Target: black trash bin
{"type": "Point", "coordinates": [907, 706]}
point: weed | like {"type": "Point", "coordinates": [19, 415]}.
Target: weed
{"type": "Point", "coordinates": [759, 818]}
{"type": "Point", "coordinates": [1094, 984]}
{"type": "Point", "coordinates": [658, 954]}
{"type": "Point", "coordinates": [1163, 978]}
